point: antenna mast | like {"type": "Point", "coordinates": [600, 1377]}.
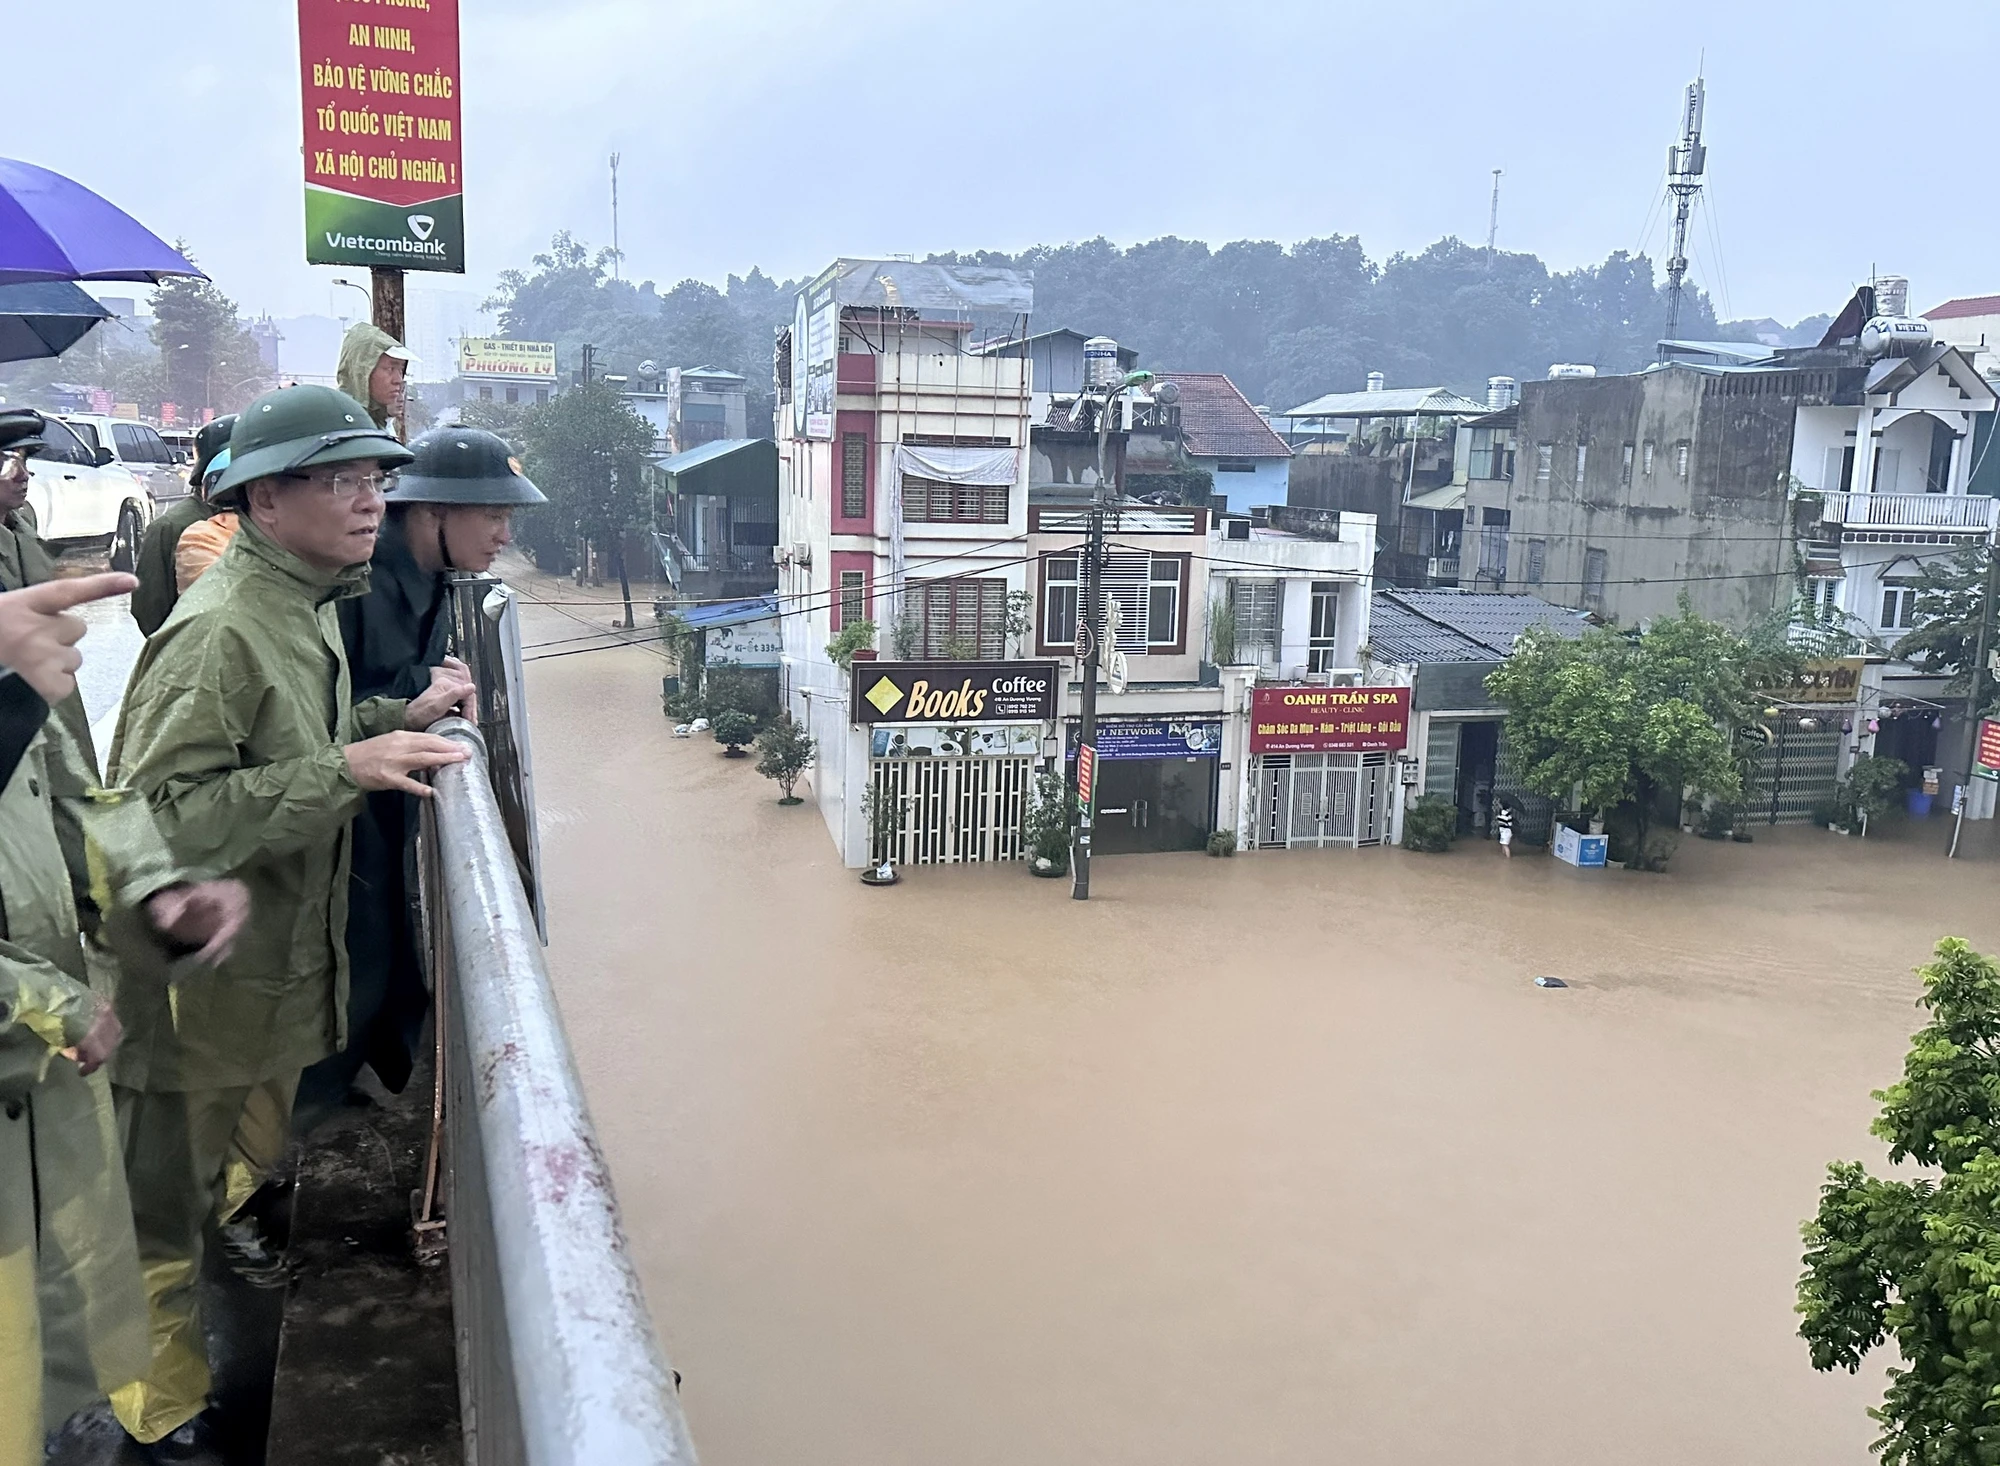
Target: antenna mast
{"type": "Point", "coordinates": [1493, 221]}
{"type": "Point", "coordinates": [1685, 161]}
{"type": "Point", "coordinates": [614, 217]}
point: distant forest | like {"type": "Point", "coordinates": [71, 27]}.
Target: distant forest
{"type": "Point", "coordinates": [1286, 324]}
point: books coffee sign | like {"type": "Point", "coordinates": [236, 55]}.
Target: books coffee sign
{"type": "Point", "coordinates": [378, 80]}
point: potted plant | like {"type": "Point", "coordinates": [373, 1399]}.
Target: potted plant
{"type": "Point", "coordinates": [853, 637]}
{"type": "Point", "coordinates": [1872, 786]}
{"type": "Point", "coordinates": [1046, 824]}
{"type": "Point", "coordinates": [733, 728]}
{"type": "Point", "coordinates": [1222, 842]}
{"type": "Point", "coordinates": [883, 815]}
{"type": "Point", "coordinates": [1430, 825]}
{"type": "Point", "coordinates": [785, 750]}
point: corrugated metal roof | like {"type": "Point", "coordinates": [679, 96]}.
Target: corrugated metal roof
{"type": "Point", "coordinates": [1217, 420]}
{"type": "Point", "coordinates": [729, 613]}
{"type": "Point", "coordinates": [1391, 402]}
{"type": "Point", "coordinates": [1459, 625]}
{"type": "Point", "coordinates": [707, 453]}
{"type": "Point", "coordinates": [1446, 496]}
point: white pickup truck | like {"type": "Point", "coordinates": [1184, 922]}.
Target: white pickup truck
{"type": "Point", "coordinates": [84, 498]}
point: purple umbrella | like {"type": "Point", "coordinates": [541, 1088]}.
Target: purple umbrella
{"type": "Point", "coordinates": [54, 229]}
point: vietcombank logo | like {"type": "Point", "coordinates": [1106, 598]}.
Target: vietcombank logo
{"type": "Point", "coordinates": [345, 230]}
{"type": "Point", "coordinates": [433, 247]}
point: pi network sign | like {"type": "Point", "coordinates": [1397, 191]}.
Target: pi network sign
{"type": "Point", "coordinates": [1329, 719]}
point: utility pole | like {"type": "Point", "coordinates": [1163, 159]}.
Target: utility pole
{"type": "Point", "coordinates": [1089, 646]}
{"type": "Point", "coordinates": [386, 302]}
{"type": "Point", "coordinates": [1493, 221]}
{"type": "Point", "coordinates": [1686, 159]}
{"type": "Point", "coordinates": [614, 217]}
{"type": "Point", "coordinates": [1972, 699]}
{"type": "Point", "coordinates": [589, 352]}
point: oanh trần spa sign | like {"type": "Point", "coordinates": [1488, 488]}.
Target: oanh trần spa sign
{"type": "Point", "coordinates": [1329, 719]}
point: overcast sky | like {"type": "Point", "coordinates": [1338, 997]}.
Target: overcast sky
{"type": "Point", "coordinates": [1843, 137]}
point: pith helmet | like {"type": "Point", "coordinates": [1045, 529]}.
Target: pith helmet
{"type": "Point", "coordinates": [463, 466]}
{"type": "Point", "coordinates": [296, 428]}
{"type": "Point", "coordinates": [213, 439]}
{"type": "Point", "coordinates": [21, 428]}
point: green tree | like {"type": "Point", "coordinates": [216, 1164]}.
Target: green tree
{"type": "Point", "coordinates": [733, 728]}
{"type": "Point", "coordinates": [586, 449]}
{"type": "Point", "coordinates": [1629, 723]}
{"type": "Point", "coordinates": [208, 357]}
{"type": "Point", "coordinates": [1917, 1261]}
{"type": "Point", "coordinates": [785, 750]}
{"type": "Point", "coordinates": [1951, 599]}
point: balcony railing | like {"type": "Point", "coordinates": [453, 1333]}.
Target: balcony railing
{"type": "Point", "coordinates": [1967, 514]}
{"type": "Point", "coordinates": [1444, 568]}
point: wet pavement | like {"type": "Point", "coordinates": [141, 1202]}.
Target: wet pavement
{"type": "Point", "coordinates": [1275, 1159]}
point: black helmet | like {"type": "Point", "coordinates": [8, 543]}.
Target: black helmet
{"type": "Point", "coordinates": [21, 428]}
{"type": "Point", "coordinates": [302, 427]}
{"type": "Point", "coordinates": [211, 440]}
{"type": "Point", "coordinates": [463, 466]}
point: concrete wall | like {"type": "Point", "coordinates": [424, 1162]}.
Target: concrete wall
{"type": "Point", "coordinates": [1720, 531]}
{"type": "Point", "coordinates": [1269, 484]}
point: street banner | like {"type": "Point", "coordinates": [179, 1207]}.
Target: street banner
{"type": "Point", "coordinates": [378, 83]}
{"type": "Point", "coordinates": [954, 692]}
{"type": "Point", "coordinates": [494, 356]}
{"type": "Point", "coordinates": [1136, 738]}
{"type": "Point", "coordinates": [1086, 773]}
{"type": "Point", "coordinates": [1989, 743]}
{"type": "Point", "coordinates": [1329, 719]}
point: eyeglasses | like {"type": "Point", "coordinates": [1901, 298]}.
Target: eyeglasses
{"type": "Point", "coordinates": [13, 462]}
{"type": "Point", "coordinates": [346, 483]}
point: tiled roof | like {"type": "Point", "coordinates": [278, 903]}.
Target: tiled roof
{"type": "Point", "coordinates": [1459, 625]}
{"type": "Point", "coordinates": [1217, 421]}
{"type": "Point", "coordinates": [1965, 305]}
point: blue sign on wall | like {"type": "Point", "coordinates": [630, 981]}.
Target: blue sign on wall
{"type": "Point", "coordinates": [1155, 738]}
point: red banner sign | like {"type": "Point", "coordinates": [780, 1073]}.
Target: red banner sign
{"type": "Point", "coordinates": [1329, 719]}
{"type": "Point", "coordinates": [1989, 743]}
{"type": "Point", "coordinates": [1086, 773]}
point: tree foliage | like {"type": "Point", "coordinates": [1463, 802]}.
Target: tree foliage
{"type": "Point", "coordinates": [587, 450]}
{"type": "Point", "coordinates": [1626, 721]}
{"type": "Point", "coordinates": [784, 752]}
{"type": "Point", "coordinates": [1918, 1261]}
{"type": "Point", "coordinates": [1951, 598]}
{"type": "Point", "coordinates": [733, 728]}
{"type": "Point", "coordinates": [208, 358]}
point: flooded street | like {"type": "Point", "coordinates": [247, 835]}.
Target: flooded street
{"type": "Point", "coordinates": [1278, 1159]}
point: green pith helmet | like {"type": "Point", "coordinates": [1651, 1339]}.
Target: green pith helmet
{"type": "Point", "coordinates": [463, 466]}
{"type": "Point", "coordinates": [210, 441]}
{"type": "Point", "coordinates": [296, 428]}
{"type": "Point", "coordinates": [21, 429]}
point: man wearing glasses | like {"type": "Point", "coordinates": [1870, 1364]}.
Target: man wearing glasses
{"type": "Point", "coordinates": [239, 730]}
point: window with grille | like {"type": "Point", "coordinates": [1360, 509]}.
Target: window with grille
{"type": "Point", "coordinates": [1595, 564]}
{"type": "Point", "coordinates": [1899, 605]}
{"type": "Point", "coordinates": [1582, 460]}
{"type": "Point", "coordinates": [1545, 462]}
{"type": "Point", "coordinates": [1061, 584]}
{"type": "Point", "coordinates": [962, 616]}
{"type": "Point", "coordinates": [1625, 467]}
{"type": "Point", "coordinates": [1493, 549]}
{"type": "Point", "coordinates": [854, 475]}
{"type": "Point", "coordinates": [1537, 556]}
{"type": "Point", "coordinates": [1256, 604]}
{"type": "Point", "coordinates": [1823, 599]}
{"type": "Point", "coordinates": [1147, 590]}
{"type": "Point", "coordinates": [1646, 459]}
{"type": "Point", "coordinates": [1320, 654]}
{"type": "Point", "coordinates": [1492, 454]}
{"type": "Point", "coordinates": [1681, 460]}
{"type": "Point", "coordinates": [853, 603]}
{"type": "Point", "coordinates": [932, 501]}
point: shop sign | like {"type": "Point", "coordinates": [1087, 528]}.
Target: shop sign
{"type": "Point", "coordinates": [1086, 773]}
{"type": "Point", "coordinates": [953, 740]}
{"type": "Point", "coordinates": [382, 137]}
{"type": "Point", "coordinates": [494, 356]}
{"type": "Point", "coordinates": [1989, 743]}
{"type": "Point", "coordinates": [1155, 738]}
{"type": "Point", "coordinates": [953, 692]}
{"type": "Point", "coordinates": [1833, 679]}
{"type": "Point", "coordinates": [746, 644]}
{"type": "Point", "coordinates": [1329, 719]}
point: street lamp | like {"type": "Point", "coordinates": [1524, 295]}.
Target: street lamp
{"type": "Point", "coordinates": [1090, 623]}
{"type": "Point", "coordinates": [364, 294]}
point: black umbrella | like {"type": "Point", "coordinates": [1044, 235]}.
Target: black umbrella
{"type": "Point", "coordinates": [44, 318]}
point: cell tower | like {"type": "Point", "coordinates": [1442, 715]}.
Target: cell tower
{"type": "Point", "coordinates": [1685, 161]}
{"type": "Point", "coordinates": [1493, 220]}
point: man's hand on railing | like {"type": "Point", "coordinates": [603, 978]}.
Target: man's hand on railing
{"type": "Point", "coordinates": [388, 761]}
{"type": "Point", "coordinates": [451, 691]}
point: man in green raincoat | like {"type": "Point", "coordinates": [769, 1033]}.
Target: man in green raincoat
{"type": "Point", "coordinates": [371, 370]}
{"type": "Point", "coordinates": [238, 729]}
{"type": "Point", "coordinates": [72, 1310]}
{"type": "Point", "coordinates": [154, 565]}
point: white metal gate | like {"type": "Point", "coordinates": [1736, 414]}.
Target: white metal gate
{"type": "Point", "coordinates": [953, 809]}
{"type": "Point", "coordinates": [1318, 799]}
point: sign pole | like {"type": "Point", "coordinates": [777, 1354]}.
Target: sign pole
{"type": "Point", "coordinates": [389, 316]}
{"type": "Point", "coordinates": [1972, 701]}
{"type": "Point", "coordinates": [1089, 644]}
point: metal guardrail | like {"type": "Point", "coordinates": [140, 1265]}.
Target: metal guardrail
{"type": "Point", "coordinates": [558, 1364]}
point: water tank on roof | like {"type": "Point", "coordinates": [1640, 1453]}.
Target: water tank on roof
{"type": "Point", "coordinates": [1895, 336]}
{"type": "Point", "coordinates": [1375, 381]}
{"type": "Point", "coordinates": [1892, 295]}
{"type": "Point", "coordinates": [1564, 369]}
{"type": "Point", "coordinates": [1501, 392]}
{"type": "Point", "coordinates": [1100, 362]}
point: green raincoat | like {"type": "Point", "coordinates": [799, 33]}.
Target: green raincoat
{"type": "Point", "coordinates": [233, 728]}
{"type": "Point", "coordinates": [360, 351]}
{"type": "Point", "coordinates": [70, 1289]}
{"type": "Point", "coordinates": [158, 588]}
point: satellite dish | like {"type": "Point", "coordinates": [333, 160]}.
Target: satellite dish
{"type": "Point", "coordinates": [649, 368]}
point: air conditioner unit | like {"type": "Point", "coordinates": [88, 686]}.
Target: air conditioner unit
{"type": "Point", "coordinates": [802, 554]}
{"type": "Point", "coordinates": [1235, 529]}
{"type": "Point", "coordinates": [781, 555]}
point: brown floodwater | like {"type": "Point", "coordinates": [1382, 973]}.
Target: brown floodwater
{"type": "Point", "coordinates": [1278, 1159]}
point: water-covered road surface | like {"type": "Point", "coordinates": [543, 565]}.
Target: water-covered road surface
{"type": "Point", "coordinates": [1282, 1159]}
